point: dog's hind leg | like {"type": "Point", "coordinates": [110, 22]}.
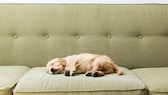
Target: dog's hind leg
{"type": "Point", "coordinates": [96, 71]}
{"type": "Point", "coordinates": [108, 71]}
{"type": "Point", "coordinates": [118, 70]}
{"type": "Point", "coordinates": [90, 73]}
{"type": "Point", "coordinates": [97, 74]}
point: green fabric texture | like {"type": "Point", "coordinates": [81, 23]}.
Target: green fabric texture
{"type": "Point", "coordinates": [134, 92]}
{"type": "Point", "coordinates": [132, 35]}
{"type": "Point", "coordinates": [155, 79]}
{"type": "Point", "coordinates": [6, 92]}
{"type": "Point", "coordinates": [9, 76]}
{"type": "Point", "coordinates": [158, 93]}
{"type": "Point", "coordinates": [44, 82]}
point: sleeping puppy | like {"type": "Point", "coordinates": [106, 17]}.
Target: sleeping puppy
{"type": "Point", "coordinates": [91, 64]}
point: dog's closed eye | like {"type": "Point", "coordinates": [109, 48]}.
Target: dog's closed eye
{"type": "Point", "coordinates": [52, 63]}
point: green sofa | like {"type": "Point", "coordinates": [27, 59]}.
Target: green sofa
{"type": "Point", "coordinates": [134, 36]}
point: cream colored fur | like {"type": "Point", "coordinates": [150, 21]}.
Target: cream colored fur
{"type": "Point", "coordinates": [90, 64]}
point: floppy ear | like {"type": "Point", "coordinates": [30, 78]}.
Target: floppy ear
{"type": "Point", "coordinates": [63, 61]}
{"type": "Point", "coordinates": [77, 63]}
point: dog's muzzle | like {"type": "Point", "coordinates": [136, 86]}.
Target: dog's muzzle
{"type": "Point", "coordinates": [53, 70]}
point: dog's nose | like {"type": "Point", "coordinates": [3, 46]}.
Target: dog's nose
{"type": "Point", "coordinates": [53, 70]}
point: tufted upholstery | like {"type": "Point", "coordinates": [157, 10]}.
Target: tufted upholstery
{"type": "Point", "coordinates": [132, 35]}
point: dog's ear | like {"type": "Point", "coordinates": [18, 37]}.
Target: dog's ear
{"type": "Point", "coordinates": [77, 63]}
{"type": "Point", "coordinates": [63, 61]}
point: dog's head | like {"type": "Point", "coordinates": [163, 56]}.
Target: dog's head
{"type": "Point", "coordinates": [56, 66]}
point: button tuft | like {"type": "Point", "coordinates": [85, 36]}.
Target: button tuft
{"type": "Point", "coordinates": [47, 36]}
{"type": "Point", "coordinates": [78, 36]}
{"type": "Point", "coordinates": [140, 36]}
{"type": "Point", "coordinates": [109, 36]}
{"type": "Point", "coordinates": [15, 36]}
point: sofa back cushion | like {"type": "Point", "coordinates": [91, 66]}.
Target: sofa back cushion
{"type": "Point", "coordinates": [132, 35]}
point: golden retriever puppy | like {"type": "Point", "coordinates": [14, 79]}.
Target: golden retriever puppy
{"type": "Point", "coordinates": [91, 64]}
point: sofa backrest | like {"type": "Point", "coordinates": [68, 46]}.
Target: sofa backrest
{"type": "Point", "coordinates": [133, 36]}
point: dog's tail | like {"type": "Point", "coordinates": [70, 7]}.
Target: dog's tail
{"type": "Point", "coordinates": [117, 69]}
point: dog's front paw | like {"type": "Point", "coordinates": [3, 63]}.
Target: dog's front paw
{"type": "Point", "coordinates": [73, 73]}
{"type": "Point", "coordinates": [95, 74]}
{"type": "Point", "coordinates": [67, 73]}
{"type": "Point", "coordinates": [88, 74]}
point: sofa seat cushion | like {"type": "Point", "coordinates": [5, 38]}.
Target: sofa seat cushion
{"type": "Point", "coordinates": [9, 76]}
{"type": "Point", "coordinates": [155, 79]}
{"type": "Point", "coordinates": [38, 81]}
